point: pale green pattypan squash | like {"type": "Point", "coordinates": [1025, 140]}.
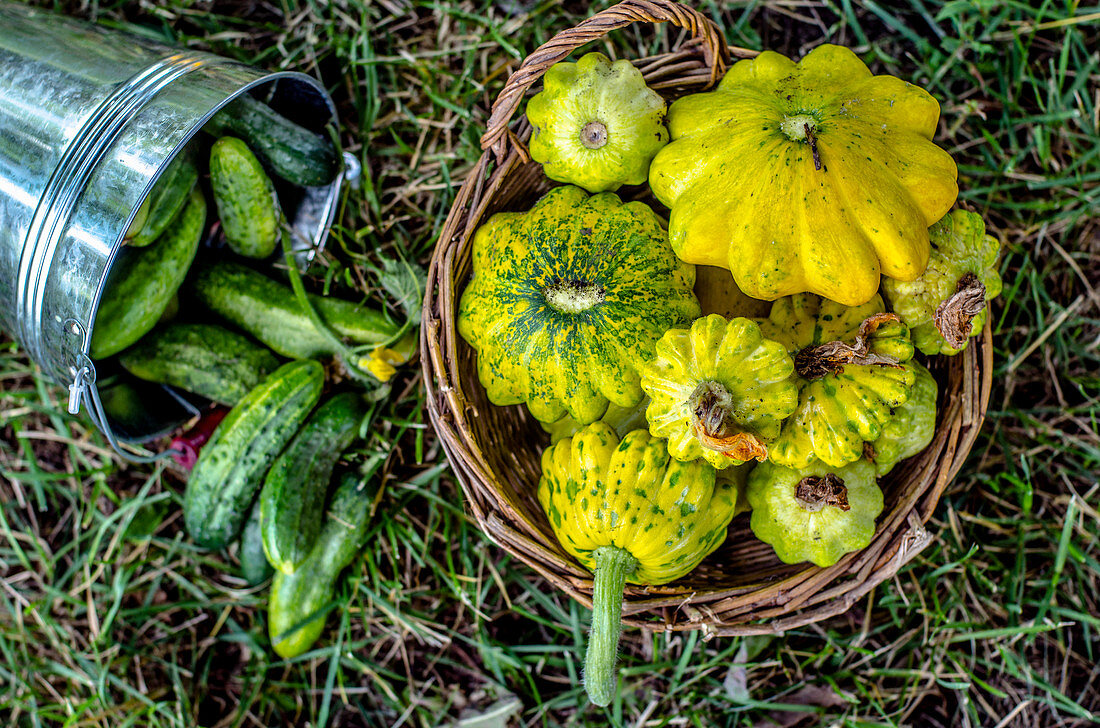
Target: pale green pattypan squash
{"type": "Point", "coordinates": [911, 426]}
{"type": "Point", "coordinates": [948, 303]}
{"type": "Point", "coordinates": [817, 513]}
{"type": "Point", "coordinates": [596, 124]}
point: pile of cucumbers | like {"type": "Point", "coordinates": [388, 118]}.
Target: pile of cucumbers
{"type": "Point", "coordinates": [264, 475]}
{"type": "Point", "coordinates": [214, 322]}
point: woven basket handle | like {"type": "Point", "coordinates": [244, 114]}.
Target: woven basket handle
{"type": "Point", "coordinates": [715, 53]}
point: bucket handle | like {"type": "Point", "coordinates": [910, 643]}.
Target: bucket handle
{"type": "Point", "coordinates": [83, 387]}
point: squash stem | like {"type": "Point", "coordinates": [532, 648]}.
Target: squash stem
{"type": "Point", "coordinates": [712, 420]}
{"type": "Point", "coordinates": [594, 135]}
{"type": "Point", "coordinates": [954, 318]}
{"type": "Point", "coordinates": [801, 128]}
{"type": "Point", "coordinates": [813, 146]}
{"type": "Point", "coordinates": [613, 565]}
{"type": "Point", "coordinates": [573, 297]}
{"type": "Point", "coordinates": [814, 493]}
{"type": "Point", "coordinates": [815, 362]}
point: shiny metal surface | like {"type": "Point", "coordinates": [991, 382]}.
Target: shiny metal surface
{"type": "Point", "coordinates": [89, 118]}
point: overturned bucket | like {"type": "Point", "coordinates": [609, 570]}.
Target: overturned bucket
{"type": "Point", "coordinates": [89, 119]}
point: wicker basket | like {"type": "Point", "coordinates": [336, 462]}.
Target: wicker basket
{"type": "Point", "coordinates": [742, 588]}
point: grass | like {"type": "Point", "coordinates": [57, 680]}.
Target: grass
{"type": "Point", "coordinates": [110, 617]}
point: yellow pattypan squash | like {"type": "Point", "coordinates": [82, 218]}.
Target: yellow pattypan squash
{"type": "Point", "coordinates": [851, 369]}
{"type": "Point", "coordinates": [719, 391]}
{"type": "Point", "coordinates": [813, 176]}
{"type": "Point", "coordinates": [718, 293]}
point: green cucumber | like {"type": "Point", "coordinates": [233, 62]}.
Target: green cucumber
{"type": "Point", "coordinates": [296, 608]}
{"type": "Point", "coordinates": [166, 199]}
{"type": "Point", "coordinates": [247, 204]}
{"type": "Point", "coordinates": [290, 151]}
{"type": "Point", "coordinates": [268, 310]}
{"type": "Point", "coordinates": [203, 359]}
{"type": "Point", "coordinates": [254, 566]}
{"type": "Point", "coordinates": [232, 465]}
{"type": "Point", "coordinates": [143, 280]}
{"type": "Point", "coordinates": [292, 501]}
{"type": "Point", "coordinates": [138, 222]}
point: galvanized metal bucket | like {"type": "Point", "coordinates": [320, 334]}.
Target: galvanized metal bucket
{"type": "Point", "coordinates": [89, 119]}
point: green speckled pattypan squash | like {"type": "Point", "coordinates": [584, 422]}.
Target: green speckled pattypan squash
{"type": "Point", "coordinates": [813, 176]}
{"type": "Point", "coordinates": [596, 124]}
{"type": "Point", "coordinates": [851, 370]}
{"type": "Point", "coordinates": [719, 391]}
{"type": "Point", "coordinates": [952, 295]}
{"type": "Point", "coordinates": [815, 514]}
{"type": "Point", "coordinates": [911, 426]}
{"type": "Point", "coordinates": [628, 512]}
{"type": "Point", "coordinates": [568, 298]}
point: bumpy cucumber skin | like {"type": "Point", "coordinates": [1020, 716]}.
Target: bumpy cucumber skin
{"type": "Point", "coordinates": [292, 501]}
{"type": "Point", "coordinates": [203, 359]}
{"type": "Point", "coordinates": [269, 311]}
{"type": "Point", "coordinates": [166, 199]}
{"type": "Point", "coordinates": [247, 204]}
{"type": "Point", "coordinates": [231, 466]}
{"type": "Point", "coordinates": [143, 282]}
{"type": "Point", "coordinates": [298, 597]}
{"type": "Point", "coordinates": [292, 152]}
{"type": "Point", "coordinates": [254, 566]}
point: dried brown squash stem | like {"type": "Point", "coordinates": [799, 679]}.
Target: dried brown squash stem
{"type": "Point", "coordinates": [815, 492]}
{"type": "Point", "coordinates": [815, 362]}
{"type": "Point", "coordinates": [712, 423]}
{"type": "Point", "coordinates": [813, 146]}
{"type": "Point", "coordinates": [954, 318]}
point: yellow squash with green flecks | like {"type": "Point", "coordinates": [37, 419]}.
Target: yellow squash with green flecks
{"type": "Point", "coordinates": [911, 426]}
{"type": "Point", "coordinates": [737, 478]}
{"type": "Point", "coordinates": [567, 299]}
{"type": "Point", "coordinates": [813, 176]}
{"type": "Point", "coordinates": [947, 304]}
{"type": "Point", "coordinates": [596, 124]}
{"type": "Point", "coordinates": [719, 391]}
{"type": "Point", "coordinates": [817, 513]}
{"type": "Point", "coordinates": [851, 370]}
{"type": "Point", "coordinates": [628, 512]}
{"type": "Point", "coordinates": [621, 419]}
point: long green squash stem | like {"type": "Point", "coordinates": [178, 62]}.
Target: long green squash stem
{"type": "Point", "coordinates": [613, 565]}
